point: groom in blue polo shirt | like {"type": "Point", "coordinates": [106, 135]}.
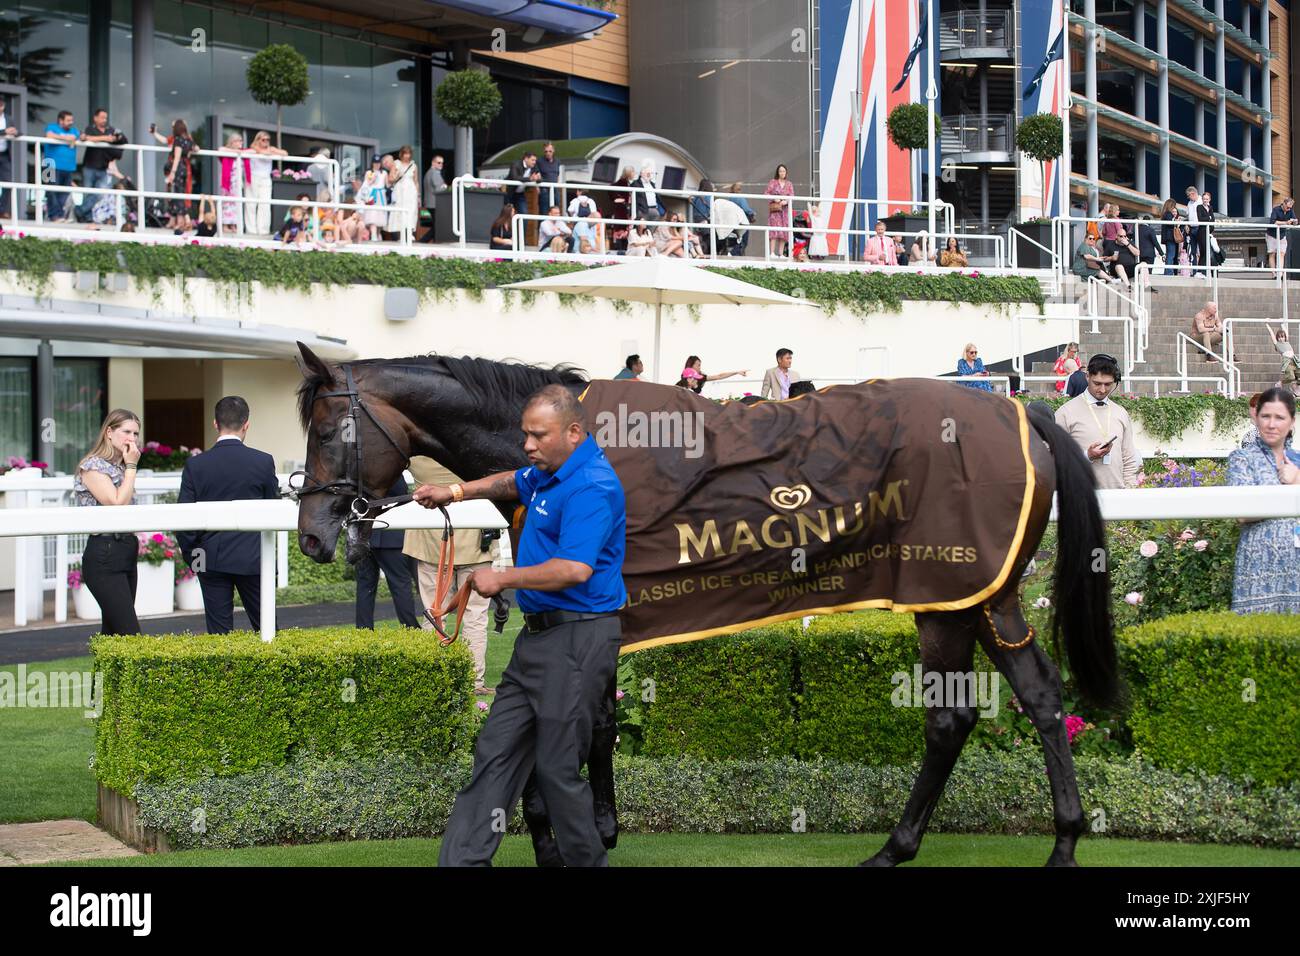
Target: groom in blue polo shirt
{"type": "Point", "coordinates": [569, 580]}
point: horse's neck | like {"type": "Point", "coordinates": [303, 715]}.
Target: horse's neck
{"type": "Point", "coordinates": [443, 426]}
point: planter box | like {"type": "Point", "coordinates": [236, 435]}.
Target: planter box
{"type": "Point", "coordinates": [84, 604]}
{"type": "Point", "coordinates": [189, 595]}
{"type": "Point", "coordinates": [120, 816]}
{"type": "Point", "coordinates": [481, 207]}
{"type": "Point", "coordinates": [1028, 255]}
{"type": "Point", "coordinates": [908, 226]}
{"type": "Point", "coordinates": [290, 189]}
{"type": "Point", "coordinates": [155, 588]}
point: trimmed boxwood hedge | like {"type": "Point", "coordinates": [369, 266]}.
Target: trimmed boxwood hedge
{"type": "Point", "coordinates": [186, 707]}
{"type": "Point", "coordinates": [1218, 692]}
{"type": "Point", "coordinates": [312, 799]}
{"type": "Point", "coordinates": [844, 707]}
{"type": "Point", "coordinates": [728, 697]}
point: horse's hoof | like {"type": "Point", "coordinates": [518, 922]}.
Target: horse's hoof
{"type": "Point", "coordinates": [880, 859]}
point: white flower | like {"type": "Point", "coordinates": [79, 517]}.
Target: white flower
{"type": "Point", "coordinates": [1201, 545]}
{"type": "Point", "coordinates": [1043, 602]}
{"type": "Point", "coordinates": [1133, 597]}
{"type": "Point", "coordinates": [1149, 549]}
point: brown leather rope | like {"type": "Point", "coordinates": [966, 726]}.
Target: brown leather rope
{"type": "Point", "coordinates": [445, 577]}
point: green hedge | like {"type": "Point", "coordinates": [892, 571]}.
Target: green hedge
{"type": "Point", "coordinates": [185, 707]}
{"type": "Point", "coordinates": [1164, 419]}
{"type": "Point", "coordinates": [314, 799]}
{"type": "Point", "coordinates": [859, 292]}
{"type": "Point", "coordinates": [729, 696]}
{"type": "Point", "coordinates": [1218, 692]}
{"type": "Point", "coordinates": [845, 710]}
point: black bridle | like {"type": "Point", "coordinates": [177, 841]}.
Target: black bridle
{"type": "Point", "coordinates": [353, 485]}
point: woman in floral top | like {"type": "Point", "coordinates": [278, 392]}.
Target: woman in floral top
{"type": "Point", "coordinates": [106, 476]}
{"type": "Point", "coordinates": [1267, 579]}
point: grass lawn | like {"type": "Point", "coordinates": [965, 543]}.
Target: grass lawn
{"type": "Point", "coordinates": [45, 751]}
{"type": "Point", "coordinates": [682, 849]}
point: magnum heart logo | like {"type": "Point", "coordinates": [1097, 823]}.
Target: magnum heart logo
{"type": "Point", "coordinates": [791, 499]}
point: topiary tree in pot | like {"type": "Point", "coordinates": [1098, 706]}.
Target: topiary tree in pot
{"type": "Point", "coordinates": [467, 100]}
{"type": "Point", "coordinates": [907, 130]}
{"type": "Point", "coordinates": [278, 75]}
{"type": "Point", "coordinates": [1039, 137]}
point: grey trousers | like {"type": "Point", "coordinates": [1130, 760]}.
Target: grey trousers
{"type": "Point", "coordinates": [541, 718]}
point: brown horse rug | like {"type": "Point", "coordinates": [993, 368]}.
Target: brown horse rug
{"type": "Point", "coordinates": [908, 494]}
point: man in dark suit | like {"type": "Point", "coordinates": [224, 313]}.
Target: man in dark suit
{"type": "Point", "coordinates": [386, 553]}
{"type": "Point", "coordinates": [226, 560]}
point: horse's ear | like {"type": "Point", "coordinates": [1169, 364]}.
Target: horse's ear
{"type": "Point", "coordinates": [313, 366]}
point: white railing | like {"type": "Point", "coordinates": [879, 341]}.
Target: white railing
{"type": "Point", "coordinates": [269, 518]}
{"type": "Point", "coordinates": [634, 193]}
{"type": "Point", "coordinates": [1136, 333]}
{"type": "Point", "coordinates": [1015, 236]}
{"type": "Point", "coordinates": [1182, 340]}
{"type": "Point", "coordinates": [1230, 342]}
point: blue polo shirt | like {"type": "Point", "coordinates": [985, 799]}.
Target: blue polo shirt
{"type": "Point", "coordinates": [63, 157]}
{"type": "Point", "coordinates": [577, 514]}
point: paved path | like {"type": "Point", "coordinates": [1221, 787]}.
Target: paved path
{"type": "Point", "coordinates": [57, 841]}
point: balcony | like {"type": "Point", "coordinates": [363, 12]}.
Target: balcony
{"type": "Point", "coordinates": [968, 34]}
{"type": "Point", "coordinates": [978, 138]}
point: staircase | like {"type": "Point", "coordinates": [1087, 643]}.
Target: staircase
{"type": "Point", "coordinates": [1172, 301]}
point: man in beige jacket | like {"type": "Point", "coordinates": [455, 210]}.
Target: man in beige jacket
{"type": "Point", "coordinates": [1092, 420]}
{"type": "Point", "coordinates": [423, 545]}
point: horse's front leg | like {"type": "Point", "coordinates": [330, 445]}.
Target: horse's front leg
{"type": "Point", "coordinates": [600, 766]}
{"type": "Point", "coordinates": [538, 821]}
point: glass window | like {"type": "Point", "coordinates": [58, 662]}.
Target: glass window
{"type": "Point", "coordinates": [16, 415]}
{"type": "Point", "coordinates": [392, 105]}
{"type": "Point", "coordinates": [306, 114]}
{"type": "Point", "coordinates": [80, 404]}
{"type": "Point", "coordinates": [345, 86]}
{"type": "Point", "coordinates": [44, 45]}
{"type": "Point", "coordinates": [182, 75]}
{"type": "Point", "coordinates": [235, 40]}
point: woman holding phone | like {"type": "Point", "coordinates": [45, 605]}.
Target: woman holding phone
{"type": "Point", "coordinates": [106, 477]}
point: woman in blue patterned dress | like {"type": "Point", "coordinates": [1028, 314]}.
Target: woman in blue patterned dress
{"type": "Point", "coordinates": [1267, 579]}
{"type": "Point", "coordinates": [971, 364]}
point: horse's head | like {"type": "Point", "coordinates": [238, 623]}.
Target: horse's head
{"type": "Point", "coordinates": [356, 447]}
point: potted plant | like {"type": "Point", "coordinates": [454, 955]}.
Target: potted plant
{"type": "Point", "coordinates": [155, 574]}
{"type": "Point", "coordinates": [1038, 137]}
{"type": "Point", "coordinates": [467, 100]}
{"type": "Point", "coordinates": [84, 604]}
{"type": "Point", "coordinates": [189, 595]}
{"type": "Point", "coordinates": [907, 131]}
{"type": "Point", "coordinates": [278, 75]}
{"type": "Point", "coordinates": [160, 457]}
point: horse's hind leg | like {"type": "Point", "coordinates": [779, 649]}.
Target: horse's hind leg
{"type": "Point", "coordinates": [600, 766]}
{"type": "Point", "coordinates": [1036, 682]}
{"type": "Point", "coordinates": [545, 849]}
{"type": "Point", "coordinates": [947, 646]}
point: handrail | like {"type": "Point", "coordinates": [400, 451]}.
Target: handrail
{"type": "Point", "coordinates": [1230, 341]}
{"type": "Point", "coordinates": [1234, 374]}
{"type": "Point", "coordinates": [459, 184]}
{"type": "Point", "coordinates": [218, 201]}
{"type": "Point", "coordinates": [516, 235]}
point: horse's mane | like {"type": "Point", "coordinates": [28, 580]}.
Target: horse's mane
{"type": "Point", "coordinates": [499, 389]}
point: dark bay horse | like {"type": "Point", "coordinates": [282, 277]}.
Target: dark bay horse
{"type": "Point", "coordinates": [465, 414]}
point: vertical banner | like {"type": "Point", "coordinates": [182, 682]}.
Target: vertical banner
{"type": "Point", "coordinates": [1044, 44]}
{"type": "Point", "coordinates": [867, 48]}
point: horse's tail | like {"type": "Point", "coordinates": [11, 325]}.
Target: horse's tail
{"type": "Point", "coordinates": [1082, 586]}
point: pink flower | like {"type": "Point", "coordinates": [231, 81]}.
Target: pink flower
{"type": "Point", "coordinates": [1187, 535]}
{"type": "Point", "coordinates": [620, 694]}
{"type": "Point", "coordinates": [1201, 545]}
{"type": "Point", "coordinates": [1074, 726]}
{"type": "Point", "coordinates": [164, 450]}
{"type": "Point", "coordinates": [1148, 549]}
{"type": "Point", "coordinates": [157, 538]}
{"type": "Point", "coordinates": [482, 706]}
{"type": "Point", "coordinates": [1133, 597]}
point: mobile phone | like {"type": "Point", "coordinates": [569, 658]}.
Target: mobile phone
{"type": "Point", "coordinates": [1113, 439]}
{"type": "Point", "coordinates": [153, 127]}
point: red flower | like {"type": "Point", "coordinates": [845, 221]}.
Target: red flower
{"type": "Point", "coordinates": [168, 554]}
